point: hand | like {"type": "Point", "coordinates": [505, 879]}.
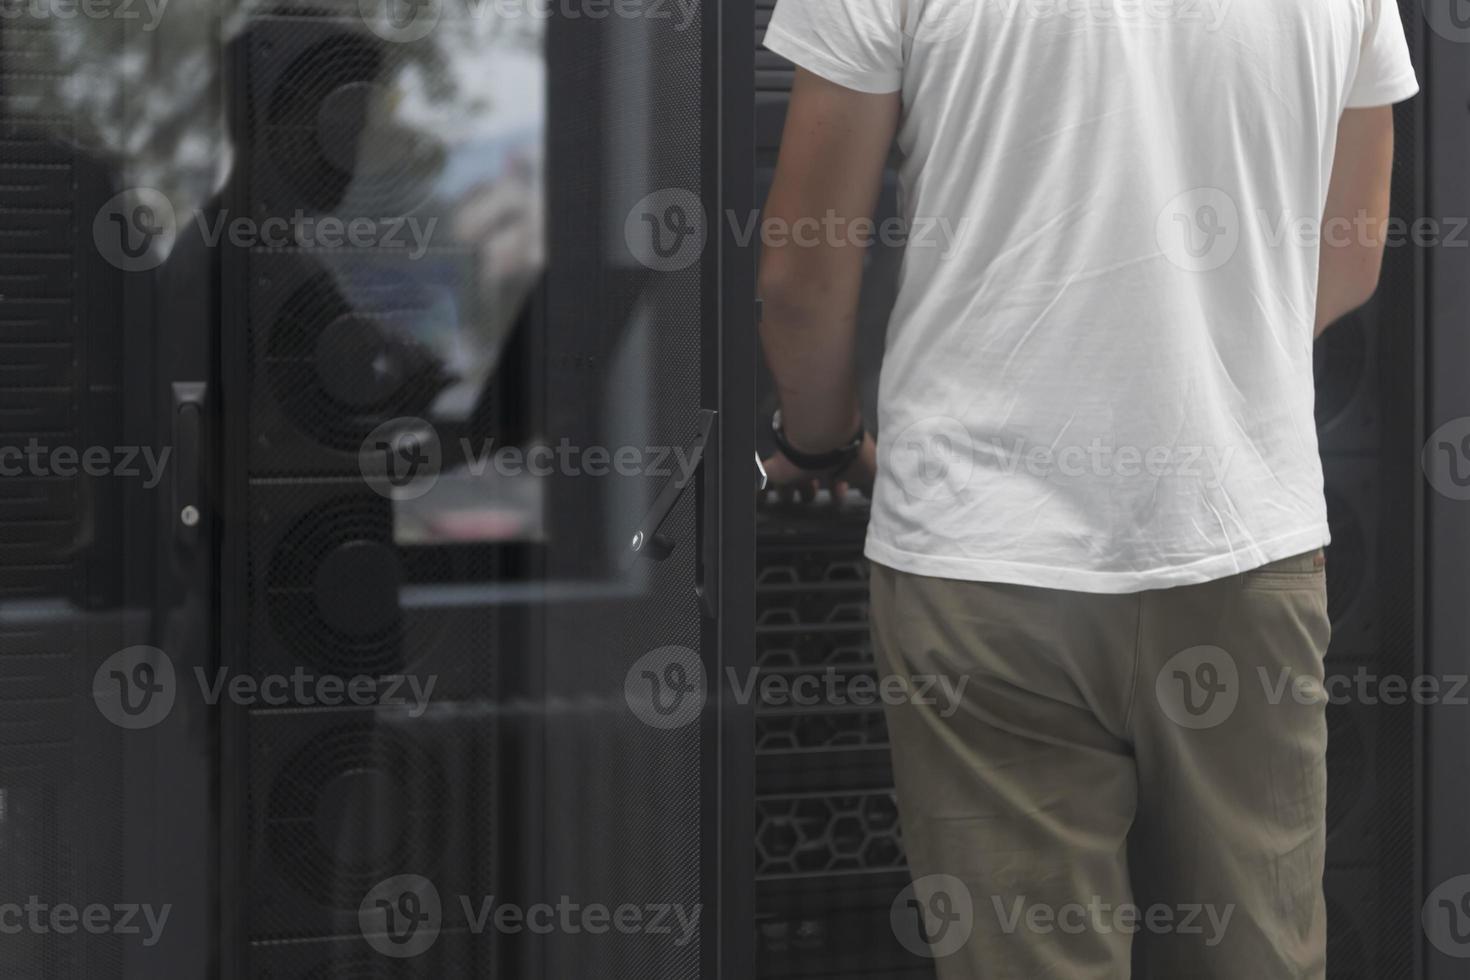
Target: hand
{"type": "Point", "coordinates": [799, 484]}
{"type": "Point", "coordinates": [861, 472]}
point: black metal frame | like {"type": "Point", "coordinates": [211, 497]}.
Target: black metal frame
{"type": "Point", "coordinates": [172, 795]}
{"type": "Point", "coordinates": [729, 792]}
{"type": "Point", "coordinates": [234, 608]}
{"type": "Point", "coordinates": [1444, 524]}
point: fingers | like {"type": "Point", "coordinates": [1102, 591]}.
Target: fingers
{"type": "Point", "coordinates": [802, 493]}
{"type": "Point", "coordinates": [790, 485]}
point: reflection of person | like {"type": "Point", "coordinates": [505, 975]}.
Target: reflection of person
{"type": "Point", "coordinates": [1098, 496]}
{"type": "Point", "coordinates": [502, 217]}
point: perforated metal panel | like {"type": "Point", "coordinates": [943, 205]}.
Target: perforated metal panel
{"type": "Point", "coordinates": [534, 782]}
{"type": "Point", "coordinates": [1366, 373]}
{"type": "Point", "coordinates": [627, 348]}
{"type": "Point", "coordinates": [331, 575]}
{"type": "Point", "coordinates": [75, 586]}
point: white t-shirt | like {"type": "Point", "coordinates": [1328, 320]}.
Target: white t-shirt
{"type": "Point", "coordinates": [1098, 374]}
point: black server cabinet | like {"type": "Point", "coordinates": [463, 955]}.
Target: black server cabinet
{"type": "Point", "coordinates": [643, 758]}
{"type": "Point", "coordinates": [1442, 563]}
{"type": "Point", "coordinates": [1367, 368]}
{"type": "Point", "coordinates": [363, 841]}
{"type": "Point", "coordinates": [104, 783]}
{"type": "Point", "coordinates": [555, 759]}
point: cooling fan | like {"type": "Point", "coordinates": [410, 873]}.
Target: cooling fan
{"type": "Point", "coordinates": [333, 586]}
{"type": "Point", "coordinates": [344, 352]}
{"type": "Point", "coordinates": [332, 128]}
{"type": "Point", "coordinates": [354, 806]}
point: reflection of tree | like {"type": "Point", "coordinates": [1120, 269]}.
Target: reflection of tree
{"type": "Point", "coordinates": [145, 92]}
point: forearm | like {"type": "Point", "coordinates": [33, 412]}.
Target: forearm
{"type": "Point", "coordinates": [1347, 278]}
{"type": "Point", "coordinates": [1355, 220]}
{"type": "Point", "coordinates": [818, 215]}
{"type": "Point", "coordinates": [808, 330]}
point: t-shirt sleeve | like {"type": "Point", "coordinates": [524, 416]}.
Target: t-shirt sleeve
{"type": "Point", "coordinates": [1385, 73]}
{"type": "Point", "coordinates": [857, 44]}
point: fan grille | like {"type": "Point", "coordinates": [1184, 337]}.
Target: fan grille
{"type": "Point", "coordinates": [324, 129]}
{"type": "Point", "coordinates": [375, 644]}
{"type": "Point", "coordinates": [397, 377]}
{"type": "Point", "coordinates": [308, 787]}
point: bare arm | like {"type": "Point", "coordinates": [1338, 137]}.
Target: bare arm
{"type": "Point", "coordinates": [825, 187]}
{"type": "Point", "coordinates": [1356, 216]}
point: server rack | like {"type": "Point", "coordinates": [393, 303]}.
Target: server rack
{"type": "Point", "coordinates": [532, 779]}
{"type": "Point", "coordinates": [92, 559]}
{"type": "Point", "coordinates": [1442, 561]}
{"type": "Point", "coordinates": [797, 855]}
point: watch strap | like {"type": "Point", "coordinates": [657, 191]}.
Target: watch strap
{"type": "Point", "coordinates": [834, 459]}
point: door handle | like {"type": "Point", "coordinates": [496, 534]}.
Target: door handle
{"type": "Point", "coordinates": [648, 540]}
{"type": "Point", "coordinates": [701, 469]}
{"type": "Point", "coordinates": [188, 438]}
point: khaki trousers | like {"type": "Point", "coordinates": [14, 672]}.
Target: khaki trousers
{"type": "Point", "coordinates": [1119, 776]}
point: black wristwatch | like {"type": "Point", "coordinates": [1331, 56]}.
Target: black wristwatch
{"type": "Point", "coordinates": [832, 461]}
